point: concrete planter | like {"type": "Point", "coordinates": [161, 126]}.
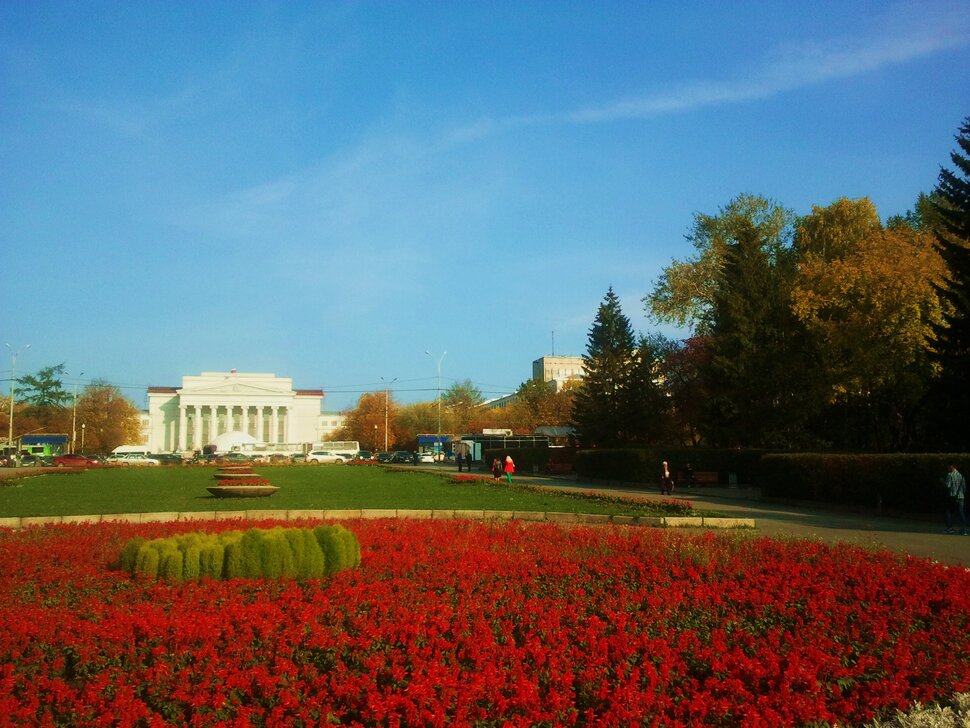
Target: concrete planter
{"type": "Point", "coordinates": [242, 491]}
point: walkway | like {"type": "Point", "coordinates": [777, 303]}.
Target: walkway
{"type": "Point", "coordinates": [911, 535]}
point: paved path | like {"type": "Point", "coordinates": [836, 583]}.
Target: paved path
{"type": "Point", "coordinates": [916, 536]}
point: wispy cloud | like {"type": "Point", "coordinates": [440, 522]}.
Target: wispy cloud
{"type": "Point", "coordinates": [908, 31]}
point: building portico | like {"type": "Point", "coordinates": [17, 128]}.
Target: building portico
{"type": "Point", "coordinates": [263, 406]}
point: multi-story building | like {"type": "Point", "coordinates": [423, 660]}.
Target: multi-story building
{"type": "Point", "coordinates": [558, 369]}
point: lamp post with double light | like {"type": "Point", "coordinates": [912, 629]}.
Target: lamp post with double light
{"type": "Point", "coordinates": [74, 421]}
{"type": "Point", "coordinates": [14, 353]}
{"type": "Point", "coordinates": [386, 397]}
{"type": "Point", "coordinates": [437, 445]}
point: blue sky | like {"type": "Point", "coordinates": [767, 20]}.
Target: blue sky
{"type": "Point", "coordinates": [326, 191]}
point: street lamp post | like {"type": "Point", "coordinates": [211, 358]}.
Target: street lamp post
{"type": "Point", "coordinates": [13, 378]}
{"type": "Point", "coordinates": [74, 421]}
{"type": "Point", "coordinates": [82, 436]}
{"type": "Point", "coordinates": [437, 445]}
{"type": "Point", "coordinates": [386, 396]}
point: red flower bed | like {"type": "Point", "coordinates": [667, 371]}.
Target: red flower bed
{"type": "Point", "coordinates": [244, 481]}
{"type": "Point", "coordinates": [462, 622]}
{"type": "Point", "coordinates": [473, 478]}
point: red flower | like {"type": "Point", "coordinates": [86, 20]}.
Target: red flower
{"type": "Point", "coordinates": [462, 622]}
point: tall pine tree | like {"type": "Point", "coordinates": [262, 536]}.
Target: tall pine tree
{"type": "Point", "coordinates": [952, 200]}
{"type": "Point", "coordinates": [600, 410]}
{"type": "Point", "coordinates": [752, 376]}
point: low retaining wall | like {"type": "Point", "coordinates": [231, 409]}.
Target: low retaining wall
{"type": "Point", "coordinates": [324, 515]}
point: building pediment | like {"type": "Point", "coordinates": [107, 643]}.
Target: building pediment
{"type": "Point", "coordinates": [234, 388]}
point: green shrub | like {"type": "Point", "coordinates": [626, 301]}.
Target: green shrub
{"type": "Point", "coordinates": [277, 553]}
{"type": "Point", "coordinates": [129, 554]}
{"type": "Point", "coordinates": [332, 548]}
{"type": "Point", "coordinates": [211, 554]}
{"type": "Point", "coordinates": [312, 564]}
{"type": "Point", "coordinates": [146, 562]}
{"type": "Point", "coordinates": [170, 563]}
{"type": "Point", "coordinates": [232, 563]}
{"type": "Point", "coordinates": [191, 566]}
{"type": "Point", "coordinates": [251, 550]}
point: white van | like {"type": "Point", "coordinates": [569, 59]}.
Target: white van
{"type": "Point", "coordinates": [131, 450]}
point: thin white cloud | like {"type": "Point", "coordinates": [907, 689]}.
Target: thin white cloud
{"type": "Point", "coordinates": [907, 32]}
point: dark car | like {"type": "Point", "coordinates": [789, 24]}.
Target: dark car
{"type": "Point", "coordinates": [402, 456]}
{"type": "Point", "coordinates": [236, 457]}
{"type": "Point", "coordinates": [73, 460]}
{"type": "Point", "coordinates": [168, 458]}
{"type": "Point", "coordinates": [364, 455]}
{"type": "Point", "coordinates": [384, 457]}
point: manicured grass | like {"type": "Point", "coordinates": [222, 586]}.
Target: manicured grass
{"type": "Point", "coordinates": [180, 489]}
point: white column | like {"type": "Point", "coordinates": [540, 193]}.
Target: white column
{"type": "Point", "coordinates": [274, 424]}
{"type": "Point", "coordinates": [197, 428]}
{"type": "Point", "coordinates": [213, 422]}
{"type": "Point", "coordinates": [183, 428]}
{"type": "Point", "coordinates": [259, 425]}
{"type": "Point", "coordinates": [244, 420]}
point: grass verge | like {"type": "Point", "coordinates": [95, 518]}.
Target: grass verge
{"type": "Point", "coordinates": [183, 489]}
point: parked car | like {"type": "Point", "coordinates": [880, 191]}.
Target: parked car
{"type": "Point", "coordinates": [168, 458]}
{"type": "Point", "coordinates": [316, 457]}
{"type": "Point", "coordinates": [425, 457]}
{"type": "Point", "coordinates": [365, 455]}
{"type": "Point", "coordinates": [73, 460]}
{"type": "Point", "coordinates": [402, 456]}
{"type": "Point", "coordinates": [132, 459]}
{"type": "Point", "coordinates": [384, 457]}
{"type": "Point", "coordinates": [235, 457]}
{"type": "Point", "coordinates": [29, 460]}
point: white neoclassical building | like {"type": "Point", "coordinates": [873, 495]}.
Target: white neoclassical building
{"type": "Point", "coordinates": [263, 408]}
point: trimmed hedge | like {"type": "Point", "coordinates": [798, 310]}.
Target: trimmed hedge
{"type": "Point", "coordinates": [274, 553]}
{"type": "Point", "coordinates": [906, 482]}
{"type": "Point", "coordinates": [642, 465]}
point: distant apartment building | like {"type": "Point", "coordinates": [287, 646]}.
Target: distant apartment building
{"type": "Point", "coordinates": [558, 369]}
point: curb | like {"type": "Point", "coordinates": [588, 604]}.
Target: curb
{"type": "Point", "coordinates": [324, 515]}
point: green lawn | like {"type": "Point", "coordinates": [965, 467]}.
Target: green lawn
{"type": "Point", "coordinates": [178, 489]}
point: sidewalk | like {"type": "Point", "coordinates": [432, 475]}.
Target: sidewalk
{"type": "Point", "coordinates": [910, 535]}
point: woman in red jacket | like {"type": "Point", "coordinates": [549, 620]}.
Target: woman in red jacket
{"type": "Point", "coordinates": [509, 468]}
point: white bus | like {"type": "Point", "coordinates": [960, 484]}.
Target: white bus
{"type": "Point", "coordinates": [345, 448]}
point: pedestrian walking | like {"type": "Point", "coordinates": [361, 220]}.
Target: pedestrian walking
{"type": "Point", "coordinates": [509, 468]}
{"type": "Point", "coordinates": [459, 458]}
{"type": "Point", "coordinates": [496, 468]}
{"type": "Point", "coordinates": [956, 493]}
{"type": "Point", "coordinates": [666, 479]}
